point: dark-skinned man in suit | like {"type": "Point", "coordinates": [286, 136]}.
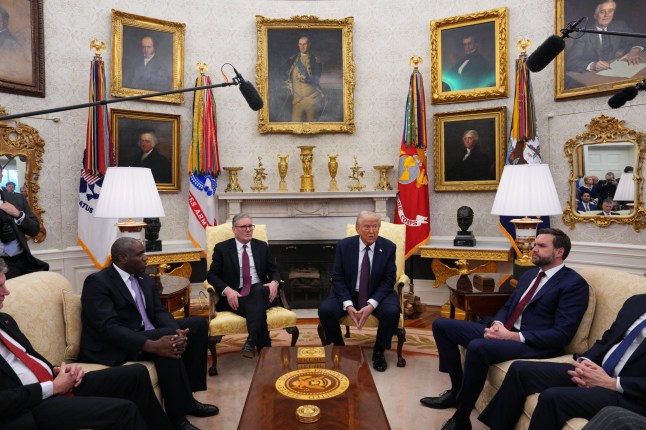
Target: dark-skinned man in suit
{"type": "Point", "coordinates": [370, 258]}
{"type": "Point", "coordinates": [611, 373]}
{"type": "Point", "coordinates": [115, 330]}
{"type": "Point", "coordinates": [538, 320]}
{"type": "Point", "coordinates": [244, 273]}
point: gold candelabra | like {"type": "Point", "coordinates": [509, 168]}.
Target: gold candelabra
{"type": "Point", "coordinates": [259, 176]}
{"type": "Point", "coordinates": [357, 174]}
{"type": "Point", "coordinates": [307, 179]}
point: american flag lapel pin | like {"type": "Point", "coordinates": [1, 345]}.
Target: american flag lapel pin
{"type": "Point", "coordinates": [381, 250]}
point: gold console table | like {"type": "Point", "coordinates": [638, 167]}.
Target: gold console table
{"type": "Point", "coordinates": [163, 260]}
{"type": "Point", "coordinates": [488, 251]}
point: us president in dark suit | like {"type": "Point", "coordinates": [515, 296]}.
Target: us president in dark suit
{"type": "Point", "coordinates": [540, 329]}
{"type": "Point", "coordinates": [583, 387]}
{"type": "Point", "coordinates": [114, 331]}
{"type": "Point", "coordinates": [595, 52]}
{"type": "Point", "coordinates": [227, 275]}
{"type": "Point", "coordinates": [16, 221]}
{"type": "Point", "coordinates": [65, 397]}
{"type": "Point", "coordinates": [350, 263]}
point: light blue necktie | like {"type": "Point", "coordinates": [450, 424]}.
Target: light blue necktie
{"type": "Point", "coordinates": [140, 304]}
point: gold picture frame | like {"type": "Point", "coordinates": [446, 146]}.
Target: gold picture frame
{"type": "Point", "coordinates": [133, 72]}
{"type": "Point", "coordinates": [131, 127]}
{"type": "Point", "coordinates": [324, 86]}
{"type": "Point", "coordinates": [481, 170]}
{"type": "Point", "coordinates": [485, 34]}
{"type": "Point", "coordinates": [570, 75]}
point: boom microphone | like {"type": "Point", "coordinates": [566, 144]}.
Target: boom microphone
{"type": "Point", "coordinates": [249, 92]}
{"type": "Point", "coordinates": [627, 94]}
{"type": "Point", "coordinates": [548, 50]}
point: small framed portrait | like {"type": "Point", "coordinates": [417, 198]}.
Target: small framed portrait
{"type": "Point", "coordinates": [470, 149]}
{"type": "Point", "coordinates": [147, 57]}
{"type": "Point", "coordinates": [145, 139]}
{"type": "Point", "coordinates": [593, 64]}
{"type": "Point", "coordinates": [22, 52]}
{"type": "Point", "coordinates": [469, 57]}
{"type": "Point", "coordinates": [305, 75]}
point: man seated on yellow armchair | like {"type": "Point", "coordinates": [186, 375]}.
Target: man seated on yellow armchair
{"type": "Point", "coordinates": [362, 284]}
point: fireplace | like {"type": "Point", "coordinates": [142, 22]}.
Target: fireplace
{"type": "Point", "coordinates": [306, 269]}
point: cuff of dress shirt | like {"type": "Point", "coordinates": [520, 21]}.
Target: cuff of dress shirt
{"type": "Point", "coordinates": [347, 303]}
{"type": "Point", "coordinates": [47, 389]}
{"type": "Point", "coordinates": [373, 302]}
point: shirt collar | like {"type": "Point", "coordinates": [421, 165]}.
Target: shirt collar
{"type": "Point", "coordinates": [124, 275]}
{"type": "Point", "coordinates": [551, 272]}
{"type": "Point", "coordinates": [239, 245]}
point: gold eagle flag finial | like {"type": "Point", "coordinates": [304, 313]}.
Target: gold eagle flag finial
{"type": "Point", "coordinates": [201, 67]}
{"type": "Point", "coordinates": [415, 61]}
{"type": "Point", "coordinates": [98, 46]}
{"type": "Point", "coordinates": [523, 45]}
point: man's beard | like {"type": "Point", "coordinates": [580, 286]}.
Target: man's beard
{"type": "Point", "coordinates": [544, 261]}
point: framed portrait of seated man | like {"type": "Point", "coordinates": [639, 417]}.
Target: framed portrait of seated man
{"type": "Point", "coordinates": [592, 64]}
{"type": "Point", "coordinates": [469, 57]}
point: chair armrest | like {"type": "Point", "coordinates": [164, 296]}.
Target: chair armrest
{"type": "Point", "coordinates": [214, 298]}
{"type": "Point", "coordinates": [281, 295]}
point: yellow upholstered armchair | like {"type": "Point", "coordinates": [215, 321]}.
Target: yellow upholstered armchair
{"type": "Point", "coordinates": [396, 233]}
{"type": "Point", "coordinates": [223, 323]}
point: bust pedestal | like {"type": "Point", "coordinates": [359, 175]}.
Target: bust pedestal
{"type": "Point", "coordinates": [464, 238]}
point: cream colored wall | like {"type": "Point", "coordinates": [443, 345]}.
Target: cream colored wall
{"type": "Point", "coordinates": [386, 34]}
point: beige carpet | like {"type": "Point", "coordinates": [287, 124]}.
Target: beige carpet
{"type": "Point", "coordinates": [399, 388]}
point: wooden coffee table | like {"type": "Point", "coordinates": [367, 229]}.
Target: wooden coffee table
{"type": "Point", "coordinates": [359, 407]}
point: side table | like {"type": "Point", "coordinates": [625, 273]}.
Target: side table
{"type": "Point", "coordinates": [163, 259]}
{"type": "Point", "coordinates": [175, 293]}
{"type": "Point", "coordinates": [477, 301]}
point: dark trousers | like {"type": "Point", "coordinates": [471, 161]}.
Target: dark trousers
{"type": "Point", "coordinates": [114, 398]}
{"type": "Point", "coordinates": [449, 334]}
{"type": "Point", "coordinates": [21, 265]}
{"type": "Point", "coordinates": [559, 401]}
{"type": "Point", "coordinates": [179, 378]}
{"type": "Point", "coordinates": [253, 308]}
{"type": "Point", "coordinates": [388, 311]}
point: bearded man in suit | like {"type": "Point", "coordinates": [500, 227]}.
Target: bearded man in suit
{"type": "Point", "coordinates": [244, 273]}
{"type": "Point", "coordinates": [362, 284]}
{"type": "Point", "coordinates": [124, 320]}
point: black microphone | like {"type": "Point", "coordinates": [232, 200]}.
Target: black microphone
{"type": "Point", "coordinates": [548, 50]}
{"type": "Point", "coordinates": [627, 94]}
{"type": "Point", "coordinates": [249, 92]}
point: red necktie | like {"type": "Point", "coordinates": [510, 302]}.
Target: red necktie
{"type": "Point", "coordinates": [523, 302]}
{"type": "Point", "coordinates": [41, 372]}
{"type": "Point", "coordinates": [246, 273]}
{"type": "Point", "coordinates": [364, 277]}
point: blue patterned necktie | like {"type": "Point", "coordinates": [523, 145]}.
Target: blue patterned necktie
{"type": "Point", "coordinates": [613, 359]}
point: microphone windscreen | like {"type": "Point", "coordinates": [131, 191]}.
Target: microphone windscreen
{"type": "Point", "coordinates": [630, 93]}
{"type": "Point", "coordinates": [251, 95]}
{"type": "Point", "coordinates": [545, 53]}
{"type": "Point", "coordinates": [618, 100]}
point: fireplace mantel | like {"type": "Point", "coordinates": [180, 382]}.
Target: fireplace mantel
{"type": "Point", "coordinates": [314, 216]}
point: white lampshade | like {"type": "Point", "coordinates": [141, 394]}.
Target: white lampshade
{"type": "Point", "coordinates": [626, 188]}
{"type": "Point", "coordinates": [526, 190]}
{"type": "Point", "coordinates": [129, 192]}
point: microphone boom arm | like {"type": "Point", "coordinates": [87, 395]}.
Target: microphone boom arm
{"type": "Point", "coordinates": [612, 33]}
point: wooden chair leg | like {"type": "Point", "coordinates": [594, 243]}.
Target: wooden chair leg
{"type": "Point", "coordinates": [401, 338]}
{"type": "Point", "coordinates": [294, 332]}
{"type": "Point", "coordinates": [213, 341]}
{"type": "Point", "coordinates": [321, 333]}
{"type": "Point", "coordinates": [347, 331]}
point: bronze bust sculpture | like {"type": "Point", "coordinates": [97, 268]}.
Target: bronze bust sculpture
{"type": "Point", "coordinates": [464, 236]}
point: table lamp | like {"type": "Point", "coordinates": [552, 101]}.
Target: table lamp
{"type": "Point", "coordinates": [129, 192]}
{"type": "Point", "coordinates": [625, 189]}
{"type": "Point", "coordinates": [526, 190]}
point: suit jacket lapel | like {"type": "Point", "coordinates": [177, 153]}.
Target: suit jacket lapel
{"type": "Point", "coordinates": [551, 281]}
{"type": "Point", "coordinates": [233, 255]}
{"type": "Point", "coordinates": [377, 262]}
{"type": "Point", "coordinates": [354, 263]}
{"type": "Point", "coordinates": [121, 286]}
{"type": "Point", "coordinates": [258, 258]}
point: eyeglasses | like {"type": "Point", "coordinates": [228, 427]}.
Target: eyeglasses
{"type": "Point", "coordinates": [249, 227]}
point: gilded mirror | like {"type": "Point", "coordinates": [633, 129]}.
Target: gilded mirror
{"type": "Point", "coordinates": [21, 156]}
{"type": "Point", "coordinates": [600, 158]}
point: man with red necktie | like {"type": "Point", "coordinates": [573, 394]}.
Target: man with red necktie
{"type": "Point", "coordinates": [537, 321]}
{"type": "Point", "coordinates": [244, 272]}
{"type": "Point", "coordinates": [36, 395]}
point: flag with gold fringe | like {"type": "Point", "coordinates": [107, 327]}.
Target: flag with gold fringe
{"type": "Point", "coordinates": [523, 146]}
{"type": "Point", "coordinates": [203, 165]}
{"type": "Point", "coordinates": [95, 235]}
{"type": "Point", "coordinates": [412, 208]}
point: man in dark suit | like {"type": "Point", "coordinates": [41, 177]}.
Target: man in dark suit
{"type": "Point", "coordinates": [537, 321]}
{"type": "Point", "coordinates": [362, 284]}
{"type": "Point", "coordinates": [16, 221]}
{"type": "Point", "coordinates": [606, 208]}
{"type": "Point", "coordinates": [245, 275]}
{"type": "Point", "coordinates": [151, 158]}
{"type": "Point", "coordinates": [595, 52]}
{"type": "Point", "coordinates": [472, 164]}
{"type": "Point", "coordinates": [36, 395]}
{"type": "Point", "coordinates": [585, 205]}
{"type": "Point", "coordinates": [599, 377]}
{"type": "Point", "coordinates": [148, 72]}
{"type": "Point", "coordinates": [472, 70]}
{"type": "Point", "coordinates": [124, 320]}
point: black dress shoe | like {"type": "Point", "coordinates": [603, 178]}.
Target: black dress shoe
{"type": "Point", "coordinates": [203, 409]}
{"type": "Point", "coordinates": [379, 361]}
{"type": "Point", "coordinates": [248, 349]}
{"type": "Point", "coordinates": [456, 424]}
{"type": "Point", "coordinates": [183, 424]}
{"type": "Point", "coordinates": [445, 400]}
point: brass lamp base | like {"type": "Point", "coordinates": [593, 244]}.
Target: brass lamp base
{"type": "Point", "coordinates": [525, 237]}
{"type": "Point", "coordinates": [130, 226]}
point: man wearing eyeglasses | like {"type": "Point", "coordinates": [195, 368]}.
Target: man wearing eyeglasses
{"type": "Point", "coordinates": [362, 284]}
{"type": "Point", "coordinates": [244, 274]}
